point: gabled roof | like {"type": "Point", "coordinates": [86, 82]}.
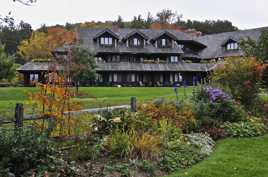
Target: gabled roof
{"type": "Point", "coordinates": [106, 31]}
{"type": "Point", "coordinates": [87, 35]}
{"type": "Point", "coordinates": [136, 32]}
{"type": "Point", "coordinates": [165, 33]}
{"type": "Point", "coordinates": [214, 42]}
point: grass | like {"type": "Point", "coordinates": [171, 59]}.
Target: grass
{"type": "Point", "coordinates": [246, 157]}
{"type": "Point", "coordinates": [91, 96]}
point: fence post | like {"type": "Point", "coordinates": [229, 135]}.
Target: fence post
{"type": "Point", "coordinates": [19, 115]}
{"type": "Point", "coordinates": [133, 104]}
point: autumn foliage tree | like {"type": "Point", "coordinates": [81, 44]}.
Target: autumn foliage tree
{"type": "Point", "coordinates": [37, 47]}
{"type": "Point", "coordinates": [242, 77]}
{"type": "Point", "coordinates": [58, 36]}
{"type": "Point", "coordinates": [40, 45]}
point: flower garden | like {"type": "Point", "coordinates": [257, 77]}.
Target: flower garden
{"type": "Point", "coordinates": [163, 136]}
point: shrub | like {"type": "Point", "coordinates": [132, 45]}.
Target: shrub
{"type": "Point", "coordinates": [215, 131]}
{"type": "Point", "coordinates": [85, 151]}
{"type": "Point", "coordinates": [202, 141]}
{"type": "Point", "coordinates": [168, 131]}
{"type": "Point", "coordinates": [121, 169]}
{"type": "Point", "coordinates": [242, 76]}
{"type": "Point", "coordinates": [147, 167]}
{"type": "Point", "coordinates": [181, 155]}
{"type": "Point", "coordinates": [146, 146]}
{"type": "Point", "coordinates": [250, 128]}
{"type": "Point", "coordinates": [24, 151]}
{"type": "Point", "coordinates": [213, 105]}
{"type": "Point", "coordinates": [119, 144]}
{"type": "Point", "coordinates": [106, 123]}
{"type": "Point", "coordinates": [180, 115]}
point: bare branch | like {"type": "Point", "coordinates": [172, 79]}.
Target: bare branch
{"type": "Point", "coordinates": [25, 2]}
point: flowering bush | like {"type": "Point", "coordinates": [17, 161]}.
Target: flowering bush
{"type": "Point", "coordinates": [213, 105]}
{"type": "Point", "coordinates": [242, 77]}
{"type": "Point", "coordinates": [216, 94]}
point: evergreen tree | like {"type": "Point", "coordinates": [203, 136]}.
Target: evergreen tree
{"type": "Point", "coordinates": [7, 67]}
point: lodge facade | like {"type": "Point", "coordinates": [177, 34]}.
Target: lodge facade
{"type": "Point", "coordinates": [146, 57]}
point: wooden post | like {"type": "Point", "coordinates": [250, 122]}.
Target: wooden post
{"type": "Point", "coordinates": [133, 104]}
{"type": "Point", "coordinates": [19, 115]}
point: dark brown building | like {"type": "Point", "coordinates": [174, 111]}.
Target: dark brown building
{"type": "Point", "coordinates": [146, 57]}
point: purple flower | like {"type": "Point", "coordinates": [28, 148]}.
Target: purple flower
{"type": "Point", "coordinates": [216, 94]}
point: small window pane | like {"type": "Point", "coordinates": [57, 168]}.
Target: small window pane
{"type": "Point", "coordinates": [163, 42]}
{"type": "Point", "coordinates": [110, 41]}
{"type": "Point", "coordinates": [135, 41]}
{"type": "Point", "coordinates": [106, 41]}
{"type": "Point", "coordinates": [102, 41]}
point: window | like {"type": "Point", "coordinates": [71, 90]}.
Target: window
{"type": "Point", "coordinates": [102, 41]}
{"type": "Point", "coordinates": [136, 42]}
{"type": "Point", "coordinates": [34, 77]}
{"type": "Point", "coordinates": [174, 59]}
{"type": "Point", "coordinates": [164, 42]}
{"type": "Point", "coordinates": [115, 77]}
{"type": "Point", "coordinates": [106, 41]}
{"type": "Point", "coordinates": [232, 46]}
{"type": "Point", "coordinates": [132, 77]}
{"type": "Point", "coordinates": [180, 46]}
{"type": "Point", "coordinates": [110, 41]}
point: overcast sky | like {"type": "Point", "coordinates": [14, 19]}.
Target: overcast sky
{"type": "Point", "coordinates": [243, 13]}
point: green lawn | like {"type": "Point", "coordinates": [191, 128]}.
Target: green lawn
{"type": "Point", "coordinates": [233, 158]}
{"type": "Point", "coordinates": [92, 96]}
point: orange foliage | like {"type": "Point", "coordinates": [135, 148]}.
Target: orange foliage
{"type": "Point", "coordinates": [166, 26]}
{"type": "Point", "coordinates": [40, 45]}
{"type": "Point", "coordinates": [54, 100]}
{"type": "Point", "coordinates": [181, 116]}
{"type": "Point", "coordinates": [58, 36]}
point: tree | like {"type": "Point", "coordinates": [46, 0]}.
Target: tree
{"type": "Point", "coordinates": [83, 67]}
{"type": "Point", "coordinates": [139, 22]}
{"type": "Point", "coordinates": [40, 45]}
{"type": "Point", "coordinates": [166, 16]}
{"type": "Point", "coordinates": [58, 36]}
{"type": "Point", "coordinates": [258, 49]}
{"type": "Point", "coordinates": [37, 47]}
{"type": "Point", "coordinates": [150, 19]}
{"type": "Point", "coordinates": [7, 68]}
{"type": "Point", "coordinates": [120, 22]}
{"type": "Point", "coordinates": [208, 26]}
{"type": "Point", "coordinates": [12, 35]}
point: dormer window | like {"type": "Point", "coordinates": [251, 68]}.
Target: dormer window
{"type": "Point", "coordinates": [106, 41]}
{"type": "Point", "coordinates": [164, 42]}
{"type": "Point", "coordinates": [106, 38]}
{"type": "Point", "coordinates": [135, 39]}
{"type": "Point", "coordinates": [136, 42]}
{"type": "Point", "coordinates": [232, 46]}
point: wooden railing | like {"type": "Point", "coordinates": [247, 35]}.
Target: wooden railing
{"type": "Point", "coordinates": [20, 118]}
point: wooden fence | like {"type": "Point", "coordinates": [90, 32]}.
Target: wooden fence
{"type": "Point", "coordinates": [20, 118]}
